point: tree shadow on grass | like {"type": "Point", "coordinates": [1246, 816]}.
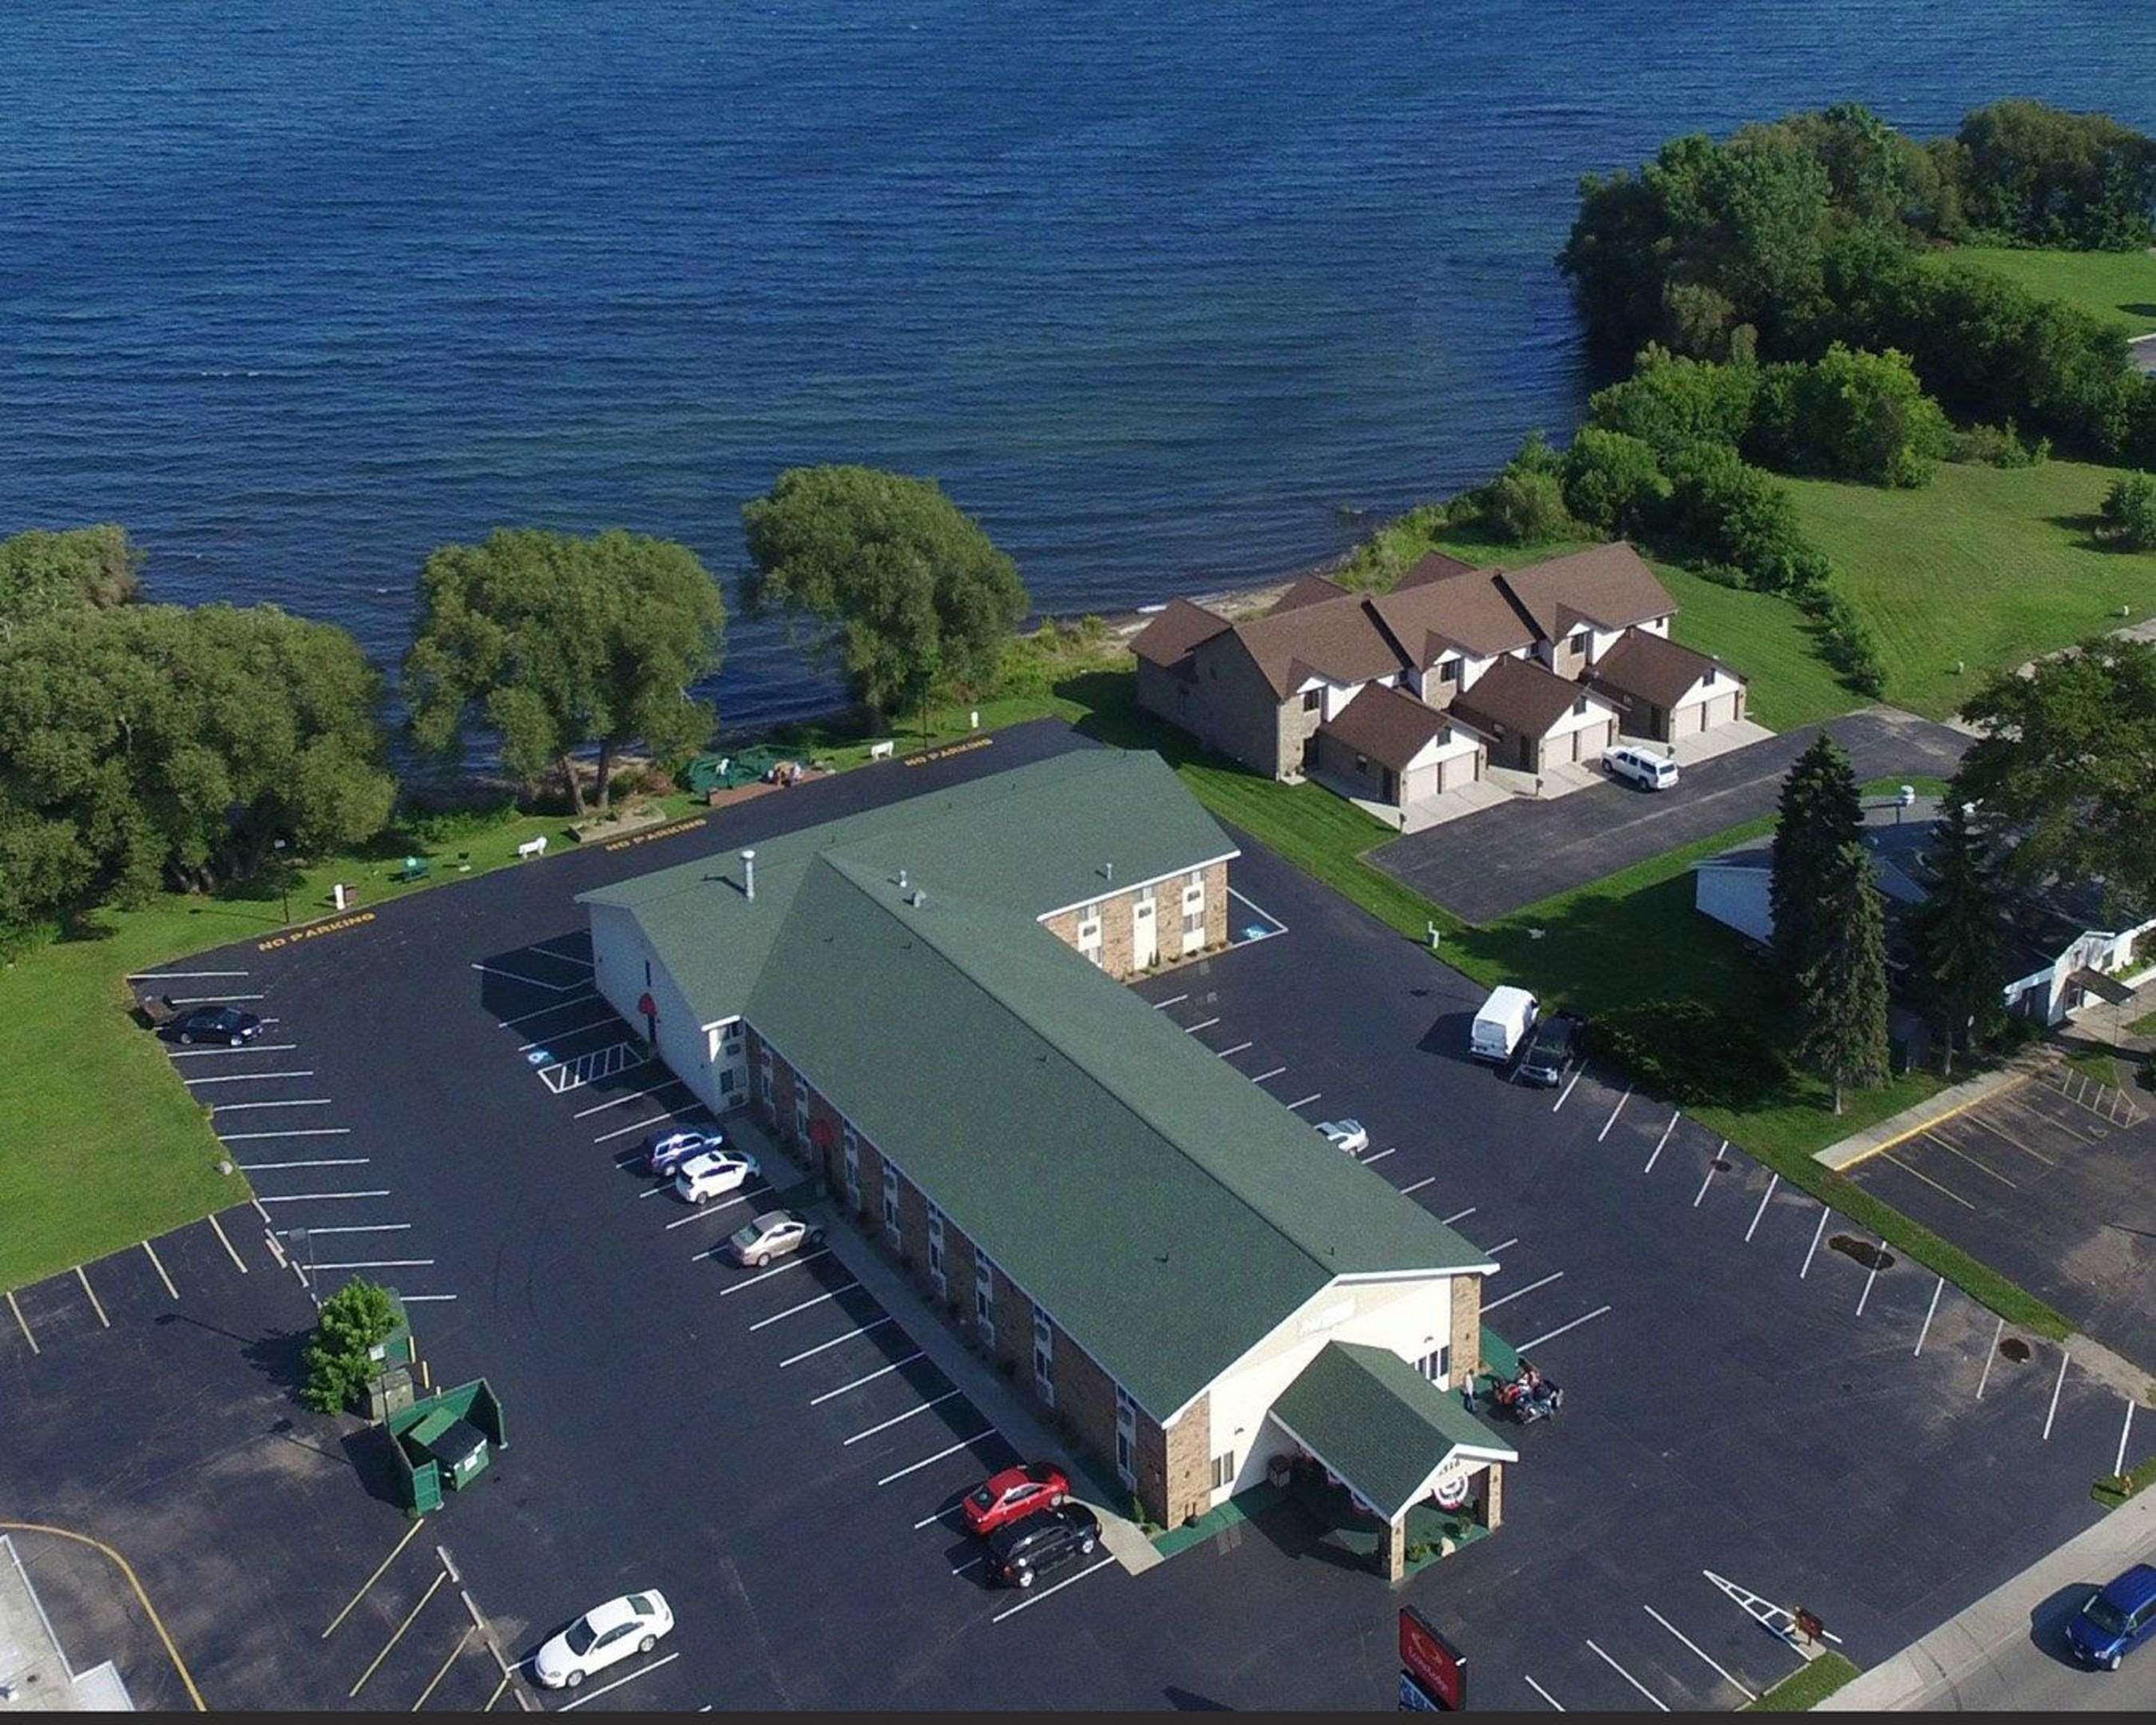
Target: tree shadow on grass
{"type": "Point", "coordinates": [2137, 308]}
{"type": "Point", "coordinates": [2088, 531]}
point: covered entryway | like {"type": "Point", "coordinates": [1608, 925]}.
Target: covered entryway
{"type": "Point", "coordinates": [1405, 1453]}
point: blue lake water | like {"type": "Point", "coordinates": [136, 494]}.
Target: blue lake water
{"type": "Point", "coordinates": [1161, 292]}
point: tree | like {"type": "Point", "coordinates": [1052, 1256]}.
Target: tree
{"type": "Point", "coordinates": [85, 567]}
{"type": "Point", "coordinates": [1728, 511]}
{"type": "Point", "coordinates": [904, 593]}
{"type": "Point", "coordinates": [155, 744]}
{"type": "Point", "coordinates": [2047, 178]}
{"type": "Point", "coordinates": [1822, 815]}
{"type": "Point", "coordinates": [2064, 765]}
{"type": "Point", "coordinates": [557, 642]}
{"type": "Point", "coordinates": [1841, 990]}
{"type": "Point", "coordinates": [1672, 403]}
{"type": "Point", "coordinates": [1956, 969]}
{"type": "Point", "coordinates": [2129, 512]}
{"type": "Point", "coordinates": [1612, 482]}
{"type": "Point", "coordinates": [1849, 414]}
{"type": "Point", "coordinates": [354, 1321]}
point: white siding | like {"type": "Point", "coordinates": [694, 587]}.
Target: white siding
{"type": "Point", "coordinates": [1736, 897]}
{"type": "Point", "coordinates": [619, 955]}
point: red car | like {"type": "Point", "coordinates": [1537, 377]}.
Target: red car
{"type": "Point", "coordinates": [1013, 1494]}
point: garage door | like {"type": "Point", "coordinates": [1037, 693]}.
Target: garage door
{"type": "Point", "coordinates": [1716, 710]}
{"type": "Point", "coordinates": [1589, 743]}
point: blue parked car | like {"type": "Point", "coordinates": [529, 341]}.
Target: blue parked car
{"type": "Point", "coordinates": [2117, 1620]}
{"type": "Point", "coordinates": [665, 1151]}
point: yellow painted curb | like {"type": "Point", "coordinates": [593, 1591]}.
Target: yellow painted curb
{"type": "Point", "coordinates": [127, 1569]}
{"type": "Point", "coordinates": [1885, 1144]}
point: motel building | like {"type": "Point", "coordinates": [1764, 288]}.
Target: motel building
{"type": "Point", "coordinates": [925, 1004]}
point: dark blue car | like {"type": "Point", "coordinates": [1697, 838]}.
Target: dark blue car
{"type": "Point", "coordinates": [2117, 1620]}
{"type": "Point", "coordinates": [226, 1024]}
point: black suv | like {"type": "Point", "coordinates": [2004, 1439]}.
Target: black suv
{"type": "Point", "coordinates": [1553, 1048]}
{"type": "Point", "coordinates": [1042, 1542]}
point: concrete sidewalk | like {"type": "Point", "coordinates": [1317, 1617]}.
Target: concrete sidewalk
{"type": "Point", "coordinates": [1967, 1662]}
{"type": "Point", "coordinates": [1956, 1099]}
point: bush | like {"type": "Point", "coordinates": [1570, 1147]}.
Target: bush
{"type": "Point", "coordinates": [1687, 1052]}
{"type": "Point", "coordinates": [1728, 511]}
{"type": "Point", "coordinates": [2129, 513]}
{"type": "Point", "coordinates": [1524, 505]}
{"type": "Point", "coordinates": [1995, 446]}
{"type": "Point", "coordinates": [1849, 415]}
{"type": "Point", "coordinates": [1612, 482]}
{"type": "Point", "coordinates": [1846, 641]}
{"type": "Point", "coordinates": [1672, 403]}
{"type": "Point", "coordinates": [354, 1321]}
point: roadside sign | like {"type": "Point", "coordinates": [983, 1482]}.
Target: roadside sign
{"type": "Point", "coordinates": [1430, 1664]}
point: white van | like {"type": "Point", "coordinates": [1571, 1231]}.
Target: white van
{"type": "Point", "coordinates": [1636, 766]}
{"type": "Point", "coordinates": [1505, 1017]}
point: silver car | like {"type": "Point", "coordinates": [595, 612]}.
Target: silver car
{"type": "Point", "coordinates": [775, 1234]}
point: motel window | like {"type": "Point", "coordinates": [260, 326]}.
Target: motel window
{"type": "Point", "coordinates": [935, 1247]}
{"type": "Point", "coordinates": [890, 1204]}
{"type": "Point", "coordinates": [984, 1301]}
{"type": "Point", "coordinates": [1312, 699]}
{"type": "Point", "coordinates": [1044, 1357]}
{"type": "Point", "coordinates": [1449, 672]}
{"type": "Point", "coordinates": [764, 1071]}
{"type": "Point", "coordinates": [1194, 922]}
{"type": "Point", "coordinates": [1435, 1366]}
{"type": "Point", "coordinates": [1577, 644]}
{"type": "Point", "coordinates": [726, 1081]}
{"type": "Point", "coordinates": [853, 1146]}
{"type": "Point", "coordinates": [1708, 678]}
{"type": "Point", "coordinates": [800, 1109]}
{"type": "Point", "coordinates": [1224, 1471]}
{"type": "Point", "coordinates": [1127, 1438]}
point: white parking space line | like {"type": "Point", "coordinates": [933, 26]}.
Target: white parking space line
{"type": "Point", "coordinates": [927, 1461]}
{"type": "Point", "coordinates": [1824, 1216]}
{"type": "Point", "coordinates": [196, 1053]}
{"type": "Point", "coordinates": [1931, 1311]}
{"type": "Point", "coordinates": [1172, 1000]}
{"type": "Point", "coordinates": [1878, 1251]}
{"type": "Point", "coordinates": [1614, 1113]}
{"type": "Point", "coordinates": [380, 1264]}
{"type": "Point", "coordinates": [1306, 1100]}
{"type": "Point", "coordinates": [1381, 1156]}
{"type": "Point", "coordinates": [322, 1197]}
{"type": "Point", "coordinates": [795, 1360]}
{"type": "Point", "coordinates": [268, 1168]}
{"type": "Point", "coordinates": [570, 1707]}
{"type": "Point", "coordinates": [2125, 1432]}
{"type": "Point", "coordinates": [705, 1212]}
{"type": "Point", "coordinates": [896, 1365]}
{"type": "Point", "coordinates": [1236, 1050]}
{"type": "Point", "coordinates": [1502, 1244]}
{"type": "Point", "coordinates": [1628, 1677]}
{"type": "Point", "coordinates": [623, 1132]}
{"type": "Point", "coordinates": [766, 1274]}
{"type": "Point", "coordinates": [1426, 1180]}
{"type": "Point", "coordinates": [1542, 1691]}
{"type": "Point", "coordinates": [1888, 1155]}
{"type": "Point", "coordinates": [181, 976]}
{"type": "Point", "coordinates": [357, 1228]}
{"type": "Point", "coordinates": [1772, 1181]}
{"type": "Point", "coordinates": [634, 1095]}
{"type": "Point", "coordinates": [1565, 1095]}
{"type": "Point", "coordinates": [95, 1305]}
{"type": "Point", "coordinates": [1561, 1329]}
{"type": "Point", "coordinates": [1660, 1143]}
{"type": "Point", "coordinates": [930, 1520]}
{"type": "Point", "coordinates": [531, 982]}
{"type": "Point", "coordinates": [582, 999]}
{"type": "Point", "coordinates": [569, 1030]}
{"type": "Point", "coordinates": [293, 1132]}
{"type": "Point", "coordinates": [932, 1402]}
{"type": "Point", "coordinates": [2050, 1412]}
{"type": "Point", "coordinates": [565, 957]}
{"type": "Point", "coordinates": [1457, 1215]}
{"type": "Point", "coordinates": [1747, 1694]}
{"type": "Point", "coordinates": [1491, 1305]}
{"type": "Point", "coordinates": [159, 1265]}
{"type": "Point", "coordinates": [283, 1102]}
{"type": "Point", "coordinates": [218, 1229]}
{"type": "Point", "coordinates": [1034, 1598]}
{"type": "Point", "coordinates": [1202, 1024]}
{"type": "Point", "coordinates": [765, 1322]}
{"type": "Point", "coordinates": [213, 999]}
{"type": "Point", "coordinates": [1699, 1196]}
{"type": "Point", "coordinates": [1981, 1168]}
{"type": "Point", "coordinates": [417, 1299]}
{"type": "Point", "coordinates": [1263, 1077]}
{"type": "Point", "coordinates": [1991, 1353]}
{"type": "Point", "coordinates": [246, 1077]}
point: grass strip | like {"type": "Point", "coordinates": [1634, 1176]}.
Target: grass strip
{"type": "Point", "coordinates": [1800, 1691]}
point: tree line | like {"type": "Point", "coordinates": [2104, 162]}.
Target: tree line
{"type": "Point", "coordinates": [147, 746]}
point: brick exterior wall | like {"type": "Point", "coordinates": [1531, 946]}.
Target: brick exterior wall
{"type": "Point", "coordinates": [913, 1234]}
{"type": "Point", "coordinates": [1466, 1356]}
{"type": "Point", "coordinates": [1118, 922]}
{"type": "Point", "coordinates": [1084, 1399]}
{"type": "Point", "coordinates": [1493, 1498]}
{"type": "Point", "coordinates": [1229, 707]}
{"type": "Point", "coordinates": [1189, 1451]}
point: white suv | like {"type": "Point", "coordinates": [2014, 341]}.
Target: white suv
{"type": "Point", "coordinates": [1636, 766]}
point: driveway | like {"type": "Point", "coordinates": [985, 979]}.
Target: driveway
{"type": "Point", "coordinates": [1491, 863]}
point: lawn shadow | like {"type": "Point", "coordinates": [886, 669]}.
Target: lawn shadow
{"type": "Point", "coordinates": [2137, 308]}
{"type": "Point", "coordinates": [2088, 527]}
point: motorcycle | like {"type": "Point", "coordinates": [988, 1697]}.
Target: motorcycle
{"type": "Point", "coordinates": [1528, 1397]}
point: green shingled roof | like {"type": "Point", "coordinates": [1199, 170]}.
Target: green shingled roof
{"type": "Point", "coordinates": [1165, 1211]}
{"type": "Point", "coordinates": [1380, 1424]}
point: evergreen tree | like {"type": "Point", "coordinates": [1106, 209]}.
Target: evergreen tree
{"type": "Point", "coordinates": [1841, 991]}
{"type": "Point", "coordinates": [1955, 968]}
{"type": "Point", "coordinates": [1822, 814]}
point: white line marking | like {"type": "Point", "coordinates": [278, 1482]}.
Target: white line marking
{"type": "Point", "coordinates": [766, 1274]}
{"type": "Point", "coordinates": [1630, 1678]}
{"type": "Point", "coordinates": [1889, 1156]}
{"type": "Point", "coordinates": [1565, 1095]}
{"type": "Point", "coordinates": [379, 1264]}
{"type": "Point", "coordinates": [1172, 1000]}
{"type": "Point", "coordinates": [218, 1229]}
{"type": "Point", "coordinates": [634, 1095]}
{"type": "Point", "coordinates": [268, 1168]}
{"type": "Point", "coordinates": [294, 1132]}
{"type": "Point", "coordinates": [704, 1212]}
{"type": "Point", "coordinates": [1660, 1142]}
{"type": "Point", "coordinates": [1611, 1121]}
{"type": "Point", "coordinates": [355, 1228]}
{"type": "Point", "coordinates": [415, 1299]}
{"type": "Point", "coordinates": [925, 1460]}
{"type": "Point", "coordinates": [1542, 1691]}
{"type": "Point", "coordinates": [2125, 1431]}
{"type": "Point", "coordinates": [1562, 1328]}
{"type": "Point", "coordinates": [322, 1197]}
{"type": "Point", "coordinates": [528, 981]}
{"type": "Point", "coordinates": [2049, 1415]}
{"type": "Point", "coordinates": [1772, 1181]}
{"type": "Point", "coordinates": [1878, 1251]}
{"type": "Point", "coordinates": [832, 1395]}
{"type": "Point", "coordinates": [525, 1018]}
{"type": "Point", "coordinates": [244, 1077]}
{"type": "Point", "coordinates": [934, 1401]}
{"type": "Point", "coordinates": [930, 1520]}
{"type": "Point", "coordinates": [1263, 1077]}
{"type": "Point", "coordinates": [1236, 1050]}
{"type": "Point", "coordinates": [608, 1688]}
{"type": "Point", "coordinates": [1709, 1180]}
{"type": "Point", "coordinates": [94, 1305]}
{"type": "Point", "coordinates": [562, 958]}
{"type": "Point", "coordinates": [1502, 1244]}
{"type": "Point", "coordinates": [1034, 1598]}
{"type": "Point", "coordinates": [213, 999]}
{"type": "Point", "coordinates": [623, 1132]}
{"type": "Point", "coordinates": [765, 1322]}
{"type": "Point", "coordinates": [180, 976]}
{"type": "Point", "coordinates": [196, 1053]}
{"type": "Point", "coordinates": [1991, 1353]}
{"type": "Point", "coordinates": [1816, 1232]}
{"type": "Point", "coordinates": [1929, 1311]}
{"type": "Point", "coordinates": [1380, 1156]}
{"type": "Point", "coordinates": [162, 1276]}
{"type": "Point", "coordinates": [795, 1360]}
{"type": "Point", "coordinates": [1747, 1694]}
{"type": "Point", "coordinates": [1493, 1305]}
{"type": "Point", "coordinates": [1306, 1101]}
{"type": "Point", "coordinates": [1202, 1024]}
{"type": "Point", "coordinates": [1426, 1180]}
{"type": "Point", "coordinates": [1457, 1215]}
{"type": "Point", "coordinates": [292, 1102]}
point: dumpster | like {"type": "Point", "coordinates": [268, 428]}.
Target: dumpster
{"type": "Point", "coordinates": [444, 1442]}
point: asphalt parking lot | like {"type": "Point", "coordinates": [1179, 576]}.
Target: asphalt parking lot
{"type": "Point", "coordinates": [781, 1452]}
{"type": "Point", "coordinates": [2054, 1181]}
{"type": "Point", "coordinates": [1488, 864]}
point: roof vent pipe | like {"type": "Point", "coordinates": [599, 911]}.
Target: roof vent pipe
{"type": "Point", "coordinates": [901, 880]}
{"type": "Point", "coordinates": [1108, 870]}
{"type": "Point", "coordinates": [748, 872]}
{"type": "Point", "coordinates": [920, 899]}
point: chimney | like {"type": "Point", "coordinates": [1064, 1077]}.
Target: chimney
{"type": "Point", "coordinates": [748, 873]}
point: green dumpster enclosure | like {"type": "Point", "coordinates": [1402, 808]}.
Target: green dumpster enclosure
{"type": "Point", "coordinates": [444, 1443]}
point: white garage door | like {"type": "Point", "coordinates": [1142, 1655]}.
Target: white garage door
{"type": "Point", "coordinates": [1589, 743]}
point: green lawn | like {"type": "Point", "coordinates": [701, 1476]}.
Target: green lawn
{"type": "Point", "coordinates": [1985, 567]}
{"type": "Point", "coordinates": [1802, 1690]}
{"type": "Point", "coordinates": [2118, 285]}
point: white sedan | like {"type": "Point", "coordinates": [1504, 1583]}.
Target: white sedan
{"type": "Point", "coordinates": [1348, 1135]}
{"type": "Point", "coordinates": [711, 1174]}
{"type": "Point", "coordinates": [604, 1636]}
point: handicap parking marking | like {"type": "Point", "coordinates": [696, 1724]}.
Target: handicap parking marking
{"type": "Point", "coordinates": [1265, 928]}
{"type": "Point", "coordinates": [570, 1707]}
{"type": "Point", "coordinates": [609, 1062]}
{"type": "Point", "coordinates": [1596, 1650]}
{"type": "Point", "coordinates": [1033, 1597]}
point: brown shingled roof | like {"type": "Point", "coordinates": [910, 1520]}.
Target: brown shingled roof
{"type": "Point", "coordinates": [1468, 610]}
{"type": "Point", "coordinates": [1335, 638]}
{"type": "Point", "coordinates": [1389, 726]}
{"type": "Point", "coordinates": [1179, 627]}
{"type": "Point", "coordinates": [1609, 585]}
{"type": "Point", "coordinates": [1431, 566]}
{"type": "Point", "coordinates": [1306, 590]}
{"type": "Point", "coordinates": [1521, 696]}
{"type": "Point", "coordinates": [1656, 671]}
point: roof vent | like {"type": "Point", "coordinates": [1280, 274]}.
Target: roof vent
{"type": "Point", "coordinates": [901, 880]}
{"type": "Point", "coordinates": [748, 873]}
{"type": "Point", "coordinates": [920, 899]}
{"type": "Point", "coordinates": [1108, 872]}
